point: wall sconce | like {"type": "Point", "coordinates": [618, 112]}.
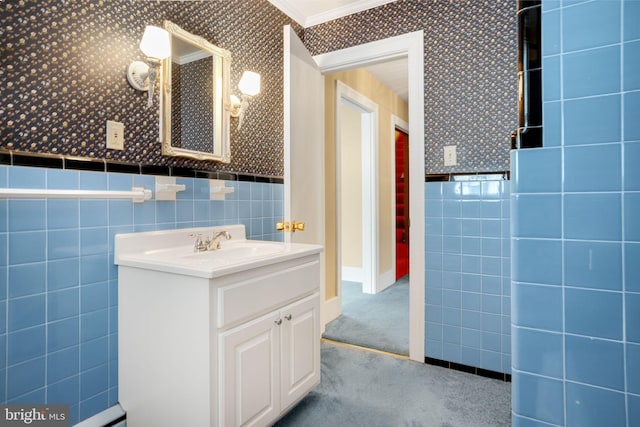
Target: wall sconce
{"type": "Point", "coordinates": [249, 86]}
{"type": "Point", "coordinates": [156, 45]}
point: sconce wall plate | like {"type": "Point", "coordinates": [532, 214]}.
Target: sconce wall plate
{"type": "Point", "coordinates": [137, 75]}
{"type": "Point", "coordinates": [235, 106]}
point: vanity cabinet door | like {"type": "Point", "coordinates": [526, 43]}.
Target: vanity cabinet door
{"type": "Point", "coordinates": [269, 363]}
{"type": "Point", "coordinates": [250, 373]}
{"type": "Point", "coordinates": [300, 349]}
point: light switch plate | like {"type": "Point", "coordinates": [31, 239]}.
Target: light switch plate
{"type": "Point", "coordinates": [450, 155]}
{"type": "Point", "coordinates": [115, 135]}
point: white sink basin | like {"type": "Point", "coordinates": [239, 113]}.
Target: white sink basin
{"type": "Point", "coordinates": [172, 251]}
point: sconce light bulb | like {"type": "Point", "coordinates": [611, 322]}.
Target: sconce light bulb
{"type": "Point", "coordinates": [155, 43]}
{"type": "Point", "coordinates": [249, 83]}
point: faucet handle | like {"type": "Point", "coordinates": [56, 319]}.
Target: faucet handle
{"type": "Point", "coordinates": [198, 244]}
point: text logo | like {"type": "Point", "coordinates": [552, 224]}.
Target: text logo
{"type": "Point", "coordinates": [34, 415]}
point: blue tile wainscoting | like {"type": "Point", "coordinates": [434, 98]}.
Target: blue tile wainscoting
{"type": "Point", "coordinates": [576, 225]}
{"type": "Point", "coordinates": [58, 283]}
{"type": "Point", "coordinates": [467, 277]}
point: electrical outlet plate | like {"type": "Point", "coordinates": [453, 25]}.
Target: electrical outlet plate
{"type": "Point", "coordinates": [450, 155]}
{"type": "Point", "coordinates": [115, 135]}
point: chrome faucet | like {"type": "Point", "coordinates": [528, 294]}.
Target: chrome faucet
{"type": "Point", "coordinates": [214, 243]}
{"type": "Point", "coordinates": [209, 243]}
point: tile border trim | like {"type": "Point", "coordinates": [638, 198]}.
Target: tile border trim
{"type": "Point", "coordinates": [479, 176]}
{"type": "Point", "coordinates": [16, 158]}
{"type": "Point", "coordinates": [468, 369]}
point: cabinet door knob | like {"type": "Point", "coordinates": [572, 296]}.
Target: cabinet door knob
{"type": "Point", "coordinates": [278, 322]}
{"type": "Point", "coordinates": [288, 317]}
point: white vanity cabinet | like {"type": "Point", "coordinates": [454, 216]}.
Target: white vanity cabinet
{"type": "Point", "coordinates": [269, 363]}
{"type": "Point", "coordinates": [215, 346]}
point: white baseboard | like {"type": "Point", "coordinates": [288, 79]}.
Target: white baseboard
{"type": "Point", "coordinates": [352, 274]}
{"type": "Point", "coordinates": [331, 309]}
{"type": "Point", "coordinates": [385, 280]}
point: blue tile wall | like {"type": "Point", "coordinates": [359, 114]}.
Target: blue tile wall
{"type": "Point", "coordinates": [539, 398]}
{"type": "Point", "coordinates": [631, 65]}
{"type": "Point", "coordinates": [576, 226]}
{"type": "Point", "coordinates": [591, 72]}
{"type": "Point", "coordinates": [58, 283]}
{"type": "Point", "coordinates": [468, 273]}
{"type": "Point", "coordinates": [593, 120]}
{"type": "Point", "coordinates": [592, 406]}
{"type": "Point", "coordinates": [591, 25]}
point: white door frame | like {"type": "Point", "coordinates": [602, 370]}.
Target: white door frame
{"type": "Point", "coordinates": [410, 45]}
{"type": "Point", "coordinates": [369, 170]}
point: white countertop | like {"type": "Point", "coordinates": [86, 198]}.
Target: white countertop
{"type": "Point", "coordinates": [172, 251]}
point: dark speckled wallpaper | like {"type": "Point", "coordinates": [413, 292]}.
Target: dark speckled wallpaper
{"type": "Point", "coordinates": [62, 76]}
{"type": "Point", "coordinates": [470, 72]}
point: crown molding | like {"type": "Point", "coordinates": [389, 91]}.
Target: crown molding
{"type": "Point", "coordinates": [346, 10]}
{"type": "Point", "coordinates": [288, 7]}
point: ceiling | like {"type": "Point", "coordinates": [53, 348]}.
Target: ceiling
{"type": "Point", "coordinates": [307, 13]}
{"type": "Point", "coordinates": [394, 75]}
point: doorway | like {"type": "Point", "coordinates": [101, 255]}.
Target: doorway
{"type": "Point", "coordinates": [402, 198]}
{"type": "Point", "coordinates": [374, 306]}
{"type": "Point", "coordinates": [410, 45]}
{"type": "Point", "coordinates": [356, 127]}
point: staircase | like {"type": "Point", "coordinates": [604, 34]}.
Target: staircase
{"type": "Point", "coordinates": [402, 205]}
